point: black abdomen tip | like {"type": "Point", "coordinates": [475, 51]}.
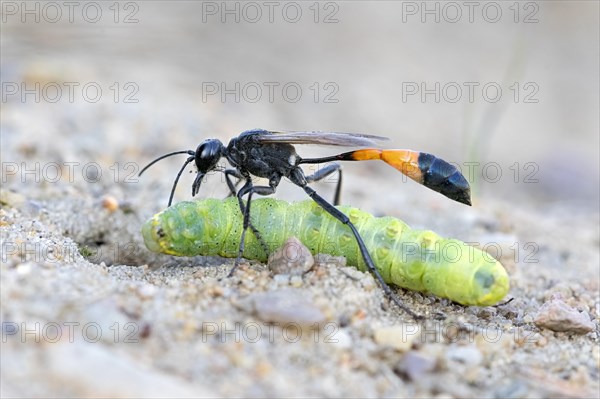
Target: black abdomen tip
{"type": "Point", "coordinates": [444, 178]}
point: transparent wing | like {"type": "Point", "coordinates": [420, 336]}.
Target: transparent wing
{"type": "Point", "coordinates": [323, 138]}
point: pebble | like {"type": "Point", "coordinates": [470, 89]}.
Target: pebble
{"type": "Point", "coordinates": [517, 388]}
{"type": "Point", "coordinates": [470, 356]}
{"type": "Point", "coordinates": [11, 198]}
{"type": "Point", "coordinates": [556, 315]}
{"type": "Point", "coordinates": [486, 312]}
{"type": "Point", "coordinates": [340, 338]}
{"type": "Point", "coordinates": [540, 340]}
{"type": "Point", "coordinates": [400, 337]}
{"type": "Point", "coordinates": [24, 269]}
{"type": "Point", "coordinates": [281, 279]}
{"type": "Point", "coordinates": [110, 203]}
{"type": "Point", "coordinates": [146, 291]}
{"type": "Point", "coordinates": [19, 201]}
{"type": "Point", "coordinates": [292, 258]}
{"type": "Point", "coordinates": [296, 281]}
{"type": "Point", "coordinates": [414, 365]}
{"type": "Point", "coordinates": [596, 354]}
{"type": "Point", "coordinates": [287, 305]}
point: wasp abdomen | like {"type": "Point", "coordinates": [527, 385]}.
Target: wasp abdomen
{"type": "Point", "coordinates": [444, 178]}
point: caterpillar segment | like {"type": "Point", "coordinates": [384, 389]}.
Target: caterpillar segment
{"type": "Point", "coordinates": [412, 259]}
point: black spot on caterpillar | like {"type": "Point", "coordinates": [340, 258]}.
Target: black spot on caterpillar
{"type": "Point", "coordinates": [412, 259]}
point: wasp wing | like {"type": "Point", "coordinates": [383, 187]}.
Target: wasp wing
{"type": "Point", "coordinates": [323, 138]}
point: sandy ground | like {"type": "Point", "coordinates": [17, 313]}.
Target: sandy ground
{"type": "Point", "coordinates": [88, 311]}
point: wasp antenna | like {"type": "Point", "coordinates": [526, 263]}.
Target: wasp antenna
{"type": "Point", "coordinates": [189, 152]}
{"type": "Point", "coordinates": [190, 159]}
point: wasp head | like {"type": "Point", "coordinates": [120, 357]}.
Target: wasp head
{"type": "Point", "coordinates": [208, 154]}
{"type": "Point", "coordinates": [206, 157]}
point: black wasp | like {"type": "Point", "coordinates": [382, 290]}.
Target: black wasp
{"type": "Point", "coordinates": [271, 155]}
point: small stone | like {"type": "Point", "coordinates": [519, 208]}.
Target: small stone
{"type": "Point", "coordinates": [596, 354]}
{"type": "Point", "coordinates": [24, 269]}
{"type": "Point", "coordinates": [486, 312]}
{"type": "Point", "coordinates": [11, 198]}
{"type": "Point", "coordinates": [339, 338]}
{"type": "Point", "coordinates": [296, 281]}
{"type": "Point", "coordinates": [147, 291]}
{"type": "Point", "coordinates": [263, 369]}
{"type": "Point", "coordinates": [110, 203]}
{"type": "Point", "coordinates": [540, 340]}
{"type": "Point", "coordinates": [18, 201]}
{"type": "Point", "coordinates": [293, 258]}
{"type": "Point", "coordinates": [399, 337]}
{"type": "Point", "coordinates": [470, 356]}
{"type": "Point", "coordinates": [415, 365]}
{"type": "Point", "coordinates": [528, 318]}
{"type": "Point", "coordinates": [556, 315]}
{"type": "Point", "coordinates": [281, 279]}
{"type": "Point", "coordinates": [287, 305]}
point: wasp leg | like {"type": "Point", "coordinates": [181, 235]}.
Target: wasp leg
{"type": "Point", "coordinates": [323, 173]}
{"type": "Point", "coordinates": [233, 190]}
{"type": "Point", "coordinates": [250, 189]}
{"type": "Point", "coordinates": [232, 186]}
{"type": "Point", "coordinates": [297, 177]}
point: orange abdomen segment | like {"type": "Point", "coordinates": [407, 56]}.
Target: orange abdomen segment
{"type": "Point", "coordinates": [406, 161]}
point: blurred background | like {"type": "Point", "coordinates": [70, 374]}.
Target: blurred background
{"type": "Point", "coordinates": [507, 91]}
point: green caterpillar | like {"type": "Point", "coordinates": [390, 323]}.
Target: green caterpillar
{"type": "Point", "coordinates": [412, 259]}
